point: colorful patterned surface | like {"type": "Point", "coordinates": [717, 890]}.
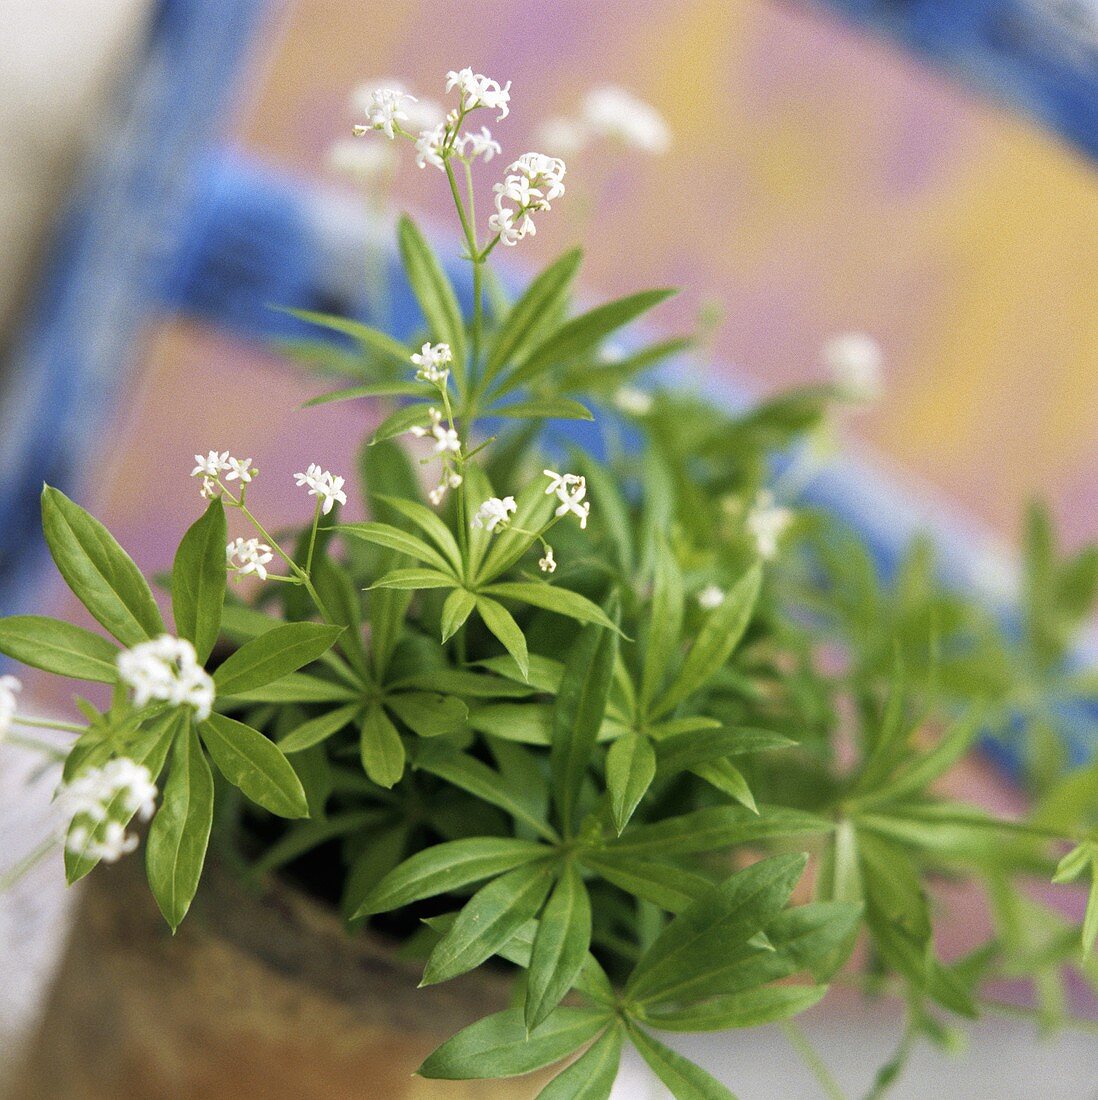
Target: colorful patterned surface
{"type": "Point", "coordinates": [821, 180]}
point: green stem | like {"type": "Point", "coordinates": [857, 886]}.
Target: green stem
{"type": "Point", "coordinates": [35, 744]}
{"type": "Point", "coordinates": [312, 539]}
{"type": "Point", "coordinates": [811, 1058]}
{"type": "Point", "coordinates": [48, 724]}
{"type": "Point", "coordinates": [10, 877]}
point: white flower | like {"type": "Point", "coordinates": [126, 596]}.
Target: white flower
{"type": "Point", "coordinates": [615, 113]}
{"type": "Point", "coordinates": [511, 231]}
{"type": "Point", "coordinates": [480, 91]}
{"type": "Point", "coordinates": [121, 787]}
{"type": "Point", "coordinates": [323, 484]}
{"type": "Point", "coordinates": [109, 846]}
{"type": "Point", "coordinates": [430, 359]}
{"type": "Point", "coordinates": [548, 564]}
{"type": "Point", "coordinates": [766, 522]}
{"type": "Point", "coordinates": [248, 556]}
{"type": "Point", "coordinates": [533, 181]}
{"type": "Point", "coordinates": [209, 488]}
{"type": "Point", "coordinates": [471, 145]}
{"type": "Point", "coordinates": [240, 469]}
{"type": "Point", "coordinates": [167, 669]}
{"type": "Point", "coordinates": [429, 147]}
{"type": "Point", "coordinates": [362, 161]}
{"type": "Point", "coordinates": [855, 363]}
{"type": "Point", "coordinates": [560, 483]}
{"type": "Point", "coordinates": [212, 466]}
{"type": "Point", "coordinates": [495, 512]}
{"type": "Point", "coordinates": [385, 110]}
{"type": "Point", "coordinates": [446, 439]}
{"type": "Point", "coordinates": [9, 688]}
{"type": "Point", "coordinates": [710, 598]}
{"type": "Point", "coordinates": [633, 401]}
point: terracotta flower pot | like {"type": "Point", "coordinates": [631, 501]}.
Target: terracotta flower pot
{"type": "Point", "coordinates": [258, 995]}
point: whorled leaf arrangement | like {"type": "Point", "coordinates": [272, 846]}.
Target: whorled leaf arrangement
{"type": "Point", "coordinates": [609, 776]}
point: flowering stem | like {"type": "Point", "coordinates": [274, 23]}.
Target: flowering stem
{"type": "Point", "coordinates": [48, 724]}
{"type": "Point", "coordinates": [312, 539]}
{"type": "Point", "coordinates": [36, 744]}
{"type": "Point", "coordinates": [10, 877]}
{"type": "Point", "coordinates": [811, 1058]}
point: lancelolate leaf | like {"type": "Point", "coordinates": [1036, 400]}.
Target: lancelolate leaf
{"type": "Point", "coordinates": [59, 647]}
{"type": "Point", "coordinates": [592, 1075]}
{"type": "Point", "coordinates": [100, 573]}
{"type": "Point", "coordinates": [380, 747]}
{"type": "Point", "coordinates": [255, 765]}
{"type": "Point", "coordinates": [176, 847]}
{"type": "Point", "coordinates": [198, 580]}
{"type": "Point", "coordinates": [630, 769]}
{"type": "Point", "coordinates": [686, 1080]}
{"type": "Point", "coordinates": [272, 655]}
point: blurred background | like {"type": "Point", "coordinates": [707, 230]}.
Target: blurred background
{"type": "Point", "coordinates": [921, 171]}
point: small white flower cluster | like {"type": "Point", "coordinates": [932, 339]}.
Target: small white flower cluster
{"type": "Point", "coordinates": [495, 514]}
{"type": "Point", "coordinates": [430, 362]}
{"type": "Point", "coordinates": [570, 490]}
{"type": "Point", "coordinates": [9, 688]}
{"type": "Point", "coordinates": [248, 556]}
{"type": "Point", "coordinates": [86, 801]}
{"type": "Point", "coordinates": [480, 91]}
{"type": "Point", "coordinates": [432, 143]}
{"type": "Point", "coordinates": [385, 110]}
{"type": "Point", "coordinates": [614, 114]}
{"type": "Point", "coordinates": [711, 597]}
{"type": "Point", "coordinates": [324, 485]}
{"type": "Point", "coordinates": [217, 467]}
{"type": "Point", "coordinates": [766, 523]}
{"type": "Point", "coordinates": [856, 365]}
{"type": "Point", "coordinates": [548, 564]}
{"type": "Point", "coordinates": [167, 669]}
{"type": "Point", "coordinates": [533, 181]}
{"type": "Point", "coordinates": [447, 440]}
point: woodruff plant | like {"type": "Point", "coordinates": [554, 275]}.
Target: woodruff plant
{"type": "Point", "coordinates": [586, 717]}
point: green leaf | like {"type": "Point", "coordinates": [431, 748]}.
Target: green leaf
{"type": "Point", "coordinates": [59, 647]}
{"type": "Point", "coordinates": [718, 921]}
{"type": "Point", "coordinates": [729, 779]}
{"type": "Point", "coordinates": [198, 580]}
{"type": "Point", "coordinates": [176, 848]}
{"type": "Point", "coordinates": [255, 765]}
{"type": "Point", "coordinates": [384, 534]}
{"type": "Point", "coordinates": [716, 827]}
{"type": "Point", "coordinates": [577, 716]}
{"type": "Point", "coordinates": [367, 337]}
{"type": "Point", "coordinates": [561, 600]}
{"type": "Point", "coordinates": [543, 408]}
{"type": "Point", "coordinates": [488, 921]}
{"type": "Point", "coordinates": [751, 1008]}
{"type": "Point", "coordinates": [683, 751]}
{"type": "Point", "coordinates": [526, 723]}
{"type": "Point", "coordinates": [560, 946]}
{"type": "Point", "coordinates": [376, 389]}
{"type": "Point", "coordinates": [380, 748]}
{"type": "Point", "coordinates": [544, 675]}
{"type": "Point", "coordinates": [100, 573]}
{"type": "Point", "coordinates": [400, 421]}
{"type": "Point", "coordinates": [498, 1045]}
{"type": "Point", "coordinates": [444, 868]}
{"type": "Point", "coordinates": [607, 377]}
{"type": "Point", "coordinates": [664, 884]}
{"type": "Point", "coordinates": [429, 524]}
{"type": "Point", "coordinates": [542, 299]}
{"type": "Point", "coordinates": [665, 621]}
{"type": "Point", "coordinates": [457, 608]}
{"type": "Point", "coordinates": [502, 624]}
{"type": "Point", "coordinates": [715, 642]}
{"type": "Point", "coordinates": [149, 747]}
{"type": "Point", "coordinates": [428, 713]}
{"type": "Point", "coordinates": [592, 1075]}
{"type": "Point", "coordinates": [319, 729]}
{"type": "Point", "coordinates": [685, 1080]}
{"type": "Point", "coordinates": [580, 335]}
{"type": "Point", "coordinates": [298, 687]}
{"type": "Point", "coordinates": [434, 293]}
{"type": "Point", "coordinates": [630, 769]}
{"type": "Point", "coordinates": [479, 780]}
{"type": "Point", "coordinates": [273, 655]}
{"type": "Point", "coordinates": [411, 580]}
